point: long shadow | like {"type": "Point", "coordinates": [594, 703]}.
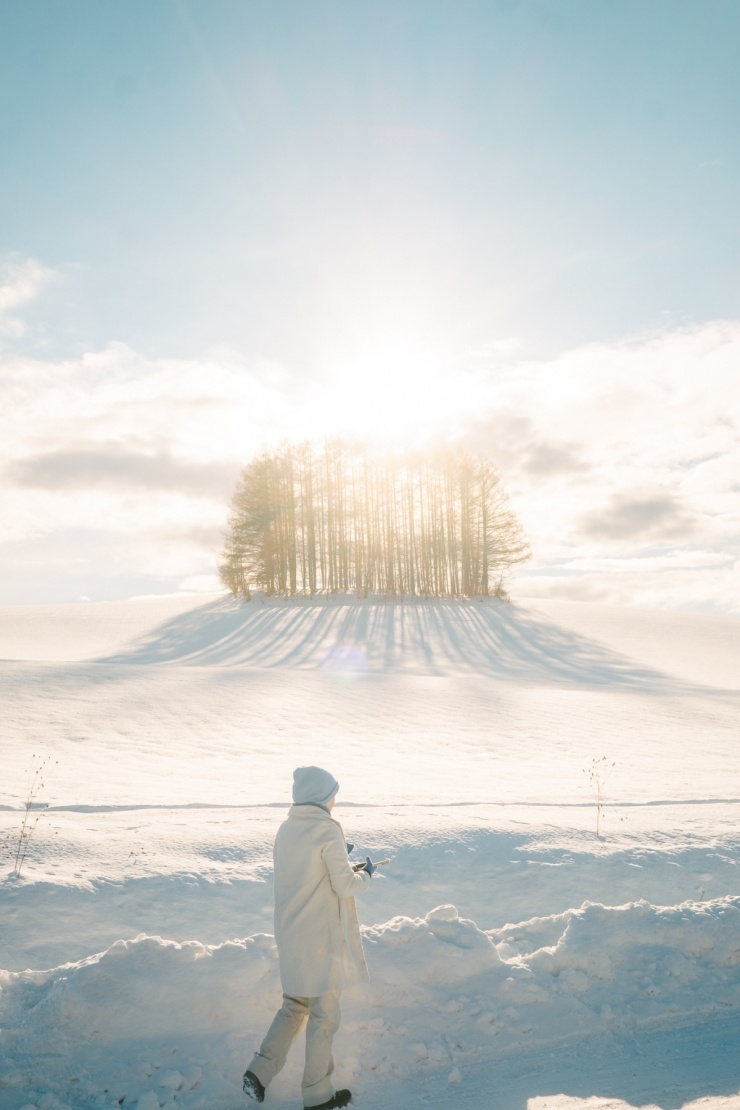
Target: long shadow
{"type": "Point", "coordinates": [421, 637]}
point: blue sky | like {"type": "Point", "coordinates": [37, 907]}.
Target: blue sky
{"type": "Point", "coordinates": [204, 173]}
{"type": "Point", "coordinates": [292, 198]}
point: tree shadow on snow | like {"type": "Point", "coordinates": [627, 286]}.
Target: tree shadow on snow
{"type": "Point", "coordinates": [414, 637]}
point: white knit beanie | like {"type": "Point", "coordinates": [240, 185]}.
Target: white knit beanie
{"type": "Point", "coordinates": [313, 784]}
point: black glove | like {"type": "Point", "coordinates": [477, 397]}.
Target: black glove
{"type": "Point", "coordinates": [350, 848]}
{"type": "Point", "coordinates": [368, 865]}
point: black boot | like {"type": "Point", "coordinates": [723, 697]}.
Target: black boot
{"type": "Point", "coordinates": [254, 1088]}
{"type": "Point", "coordinates": [337, 1100]}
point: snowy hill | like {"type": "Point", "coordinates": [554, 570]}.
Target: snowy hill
{"type": "Point", "coordinates": [462, 735]}
{"type": "Point", "coordinates": [586, 643]}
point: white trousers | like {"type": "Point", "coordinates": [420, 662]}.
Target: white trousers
{"type": "Point", "coordinates": [321, 1017]}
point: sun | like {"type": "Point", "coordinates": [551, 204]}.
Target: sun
{"type": "Point", "coordinates": [389, 392]}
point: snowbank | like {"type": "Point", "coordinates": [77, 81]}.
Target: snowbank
{"type": "Point", "coordinates": [149, 1022]}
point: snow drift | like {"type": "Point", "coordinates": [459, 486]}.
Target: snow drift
{"type": "Point", "coordinates": [149, 1019]}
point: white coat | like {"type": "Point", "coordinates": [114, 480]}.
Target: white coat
{"type": "Point", "coordinates": [316, 925]}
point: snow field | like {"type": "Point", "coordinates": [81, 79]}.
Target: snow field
{"type": "Point", "coordinates": [461, 736]}
{"type": "Point", "coordinates": [169, 736]}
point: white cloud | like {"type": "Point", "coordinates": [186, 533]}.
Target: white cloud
{"type": "Point", "coordinates": [652, 428]}
{"type": "Point", "coordinates": [643, 518]}
{"type": "Point", "coordinates": [621, 459]}
{"type": "Point", "coordinates": [498, 349]}
{"type": "Point", "coordinates": [691, 587]}
{"type": "Point", "coordinates": [201, 584]}
{"type": "Point", "coordinates": [21, 281]}
{"type": "Point", "coordinates": [117, 467]}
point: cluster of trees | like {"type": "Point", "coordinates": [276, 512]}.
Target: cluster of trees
{"type": "Point", "coordinates": [306, 521]}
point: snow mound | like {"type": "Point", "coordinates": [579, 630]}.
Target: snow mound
{"type": "Point", "coordinates": [591, 643]}
{"type": "Point", "coordinates": [150, 1020]}
{"type": "Point", "coordinates": [414, 636]}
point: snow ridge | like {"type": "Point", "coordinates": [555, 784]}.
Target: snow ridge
{"type": "Point", "coordinates": [149, 1019]}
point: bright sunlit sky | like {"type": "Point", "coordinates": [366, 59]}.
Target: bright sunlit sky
{"type": "Point", "coordinates": [510, 225]}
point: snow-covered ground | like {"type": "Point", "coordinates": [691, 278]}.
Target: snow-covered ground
{"type": "Point", "coordinates": [517, 959]}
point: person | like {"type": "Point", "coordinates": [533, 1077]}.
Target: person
{"type": "Point", "coordinates": [318, 939]}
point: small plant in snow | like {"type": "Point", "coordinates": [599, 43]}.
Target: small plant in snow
{"type": "Point", "coordinates": [29, 822]}
{"type": "Point", "coordinates": [598, 773]}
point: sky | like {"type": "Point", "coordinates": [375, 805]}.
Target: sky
{"type": "Point", "coordinates": [507, 225]}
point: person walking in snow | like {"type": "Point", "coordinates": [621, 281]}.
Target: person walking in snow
{"type": "Point", "coordinates": [318, 939]}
